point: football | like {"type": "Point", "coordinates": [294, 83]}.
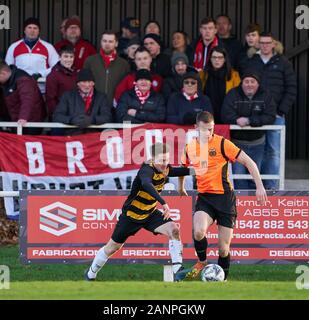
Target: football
{"type": "Point", "coordinates": [212, 272]}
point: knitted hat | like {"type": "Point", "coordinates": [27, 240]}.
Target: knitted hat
{"type": "Point", "coordinates": [32, 20]}
{"type": "Point", "coordinates": [179, 56]}
{"type": "Point", "coordinates": [153, 36]}
{"type": "Point", "coordinates": [250, 74]}
{"type": "Point", "coordinates": [134, 41]}
{"type": "Point", "coordinates": [72, 22]}
{"type": "Point", "coordinates": [85, 75]}
{"type": "Point", "coordinates": [143, 74]}
{"type": "Point", "coordinates": [131, 24]}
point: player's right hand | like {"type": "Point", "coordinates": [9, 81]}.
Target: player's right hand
{"type": "Point", "coordinates": [166, 212]}
{"type": "Point", "coordinates": [261, 195]}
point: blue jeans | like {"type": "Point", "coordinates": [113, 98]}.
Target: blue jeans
{"type": "Point", "coordinates": [271, 160]}
{"type": "Point", "coordinates": [255, 152]}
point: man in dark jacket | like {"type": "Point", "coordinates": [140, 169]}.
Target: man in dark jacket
{"type": "Point", "coordinates": [277, 75]}
{"type": "Point", "coordinates": [141, 104]}
{"type": "Point", "coordinates": [183, 107]}
{"type": "Point", "coordinates": [22, 97]}
{"type": "Point", "coordinates": [83, 106]}
{"type": "Point", "coordinates": [161, 63]}
{"type": "Point", "coordinates": [231, 44]}
{"type": "Point", "coordinates": [248, 104]}
{"type": "Point", "coordinates": [174, 83]}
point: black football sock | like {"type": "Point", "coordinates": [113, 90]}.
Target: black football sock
{"type": "Point", "coordinates": [201, 248]}
{"type": "Point", "coordinates": [224, 263]}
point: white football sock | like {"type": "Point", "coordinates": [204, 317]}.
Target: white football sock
{"type": "Point", "coordinates": [97, 264]}
{"type": "Point", "coordinates": [175, 248]}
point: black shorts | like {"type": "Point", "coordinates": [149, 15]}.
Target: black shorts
{"type": "Point", "coordinates": [220, 207]}
{"type": "Point", "coordinates": [127, 227]}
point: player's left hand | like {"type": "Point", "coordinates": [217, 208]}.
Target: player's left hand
{"type": "Point", "coordinates": [182, 192]}
{"type": "Point", "coordinates": [261, 195]}
{"type": "Point", "coordinates": [166, 212]}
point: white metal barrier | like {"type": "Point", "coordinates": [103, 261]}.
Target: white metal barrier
{"type": "Point", "coordinates": [281, 128]}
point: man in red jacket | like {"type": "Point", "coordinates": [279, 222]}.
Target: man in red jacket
{"type": "Point", "coordinates": [83, 49]}
{"type": "Point", "coordinates": [142, 60]}
{"type": "Point", "coordinates": [62, 78]}
{"type": "Point", "coordinates": [22, 97]}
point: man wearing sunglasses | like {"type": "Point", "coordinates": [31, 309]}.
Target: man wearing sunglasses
{"type": "Point", "coordinates": [183, 107]}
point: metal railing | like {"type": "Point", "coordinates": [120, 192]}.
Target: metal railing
{"type": "Point", "coordinates": [281, 128]}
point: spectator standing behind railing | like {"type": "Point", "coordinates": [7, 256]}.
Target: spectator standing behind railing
{"type": "Point", "coordinates": [130, 29]}
{"type": "Point", "coordinates": [62, 78]}
{"type": "Point", "coordinates": [248, 105]}
{"type": "Point", "coordinates": [252, 39]}
{"type": "Point", "coordinates": [142, 60]}
{"type": "Point", "coordinates": [83, 106]}
{"type": "Point", "coordinates": [174, 83]}
{"type": "Point", "coordinates": [183, 107]}
{"type": "Point", "coordinates": [181, 44]}
{"type": "Point", "coordinates": [218, 79]}
{"type": "Point", "coordinates": [277, 75]}
{"type": "Point", "coordinates": [230, 42]}
{"type": "Point", "coordinates": [73, 36]}
{"type": "Point", "coordinates": [31, 53]}
{"type": "Point", "coordinates": [22, 97]}
{"type": "Point", "coordinates": [161, 63]}
{"type": "Point", "coordinates": [107, 67]}
{"type": "Point", "coordinates": [141, 104]}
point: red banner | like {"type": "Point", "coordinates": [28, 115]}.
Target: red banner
{"type": "Point", "coordinates": [71, 226]}
{"type": "Point", "coordinates": [98, 161]}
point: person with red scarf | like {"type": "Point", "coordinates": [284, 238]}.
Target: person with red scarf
{"type": "Point", "coordinates": [141, 104]}
{"type": "Point", "coordinates": [107, 67]}
{"type": "Point", "coordinates": [183, 107]}
{"type": "Point", "coordinates": [208, 39]}
{"type": "Point", "coordinates": [83, 106]}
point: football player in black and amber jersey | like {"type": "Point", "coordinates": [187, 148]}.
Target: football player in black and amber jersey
{"type": "Point", "coordinates": [209, 154]}
{"type": "Point", "coordinates": [140, 211]}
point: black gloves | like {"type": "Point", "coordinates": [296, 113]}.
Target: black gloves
{"type": "Point", "coordinates": [81, 120]}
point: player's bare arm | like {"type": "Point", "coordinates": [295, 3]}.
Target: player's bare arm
{"type": "Point", "coordinates": [245, 160]}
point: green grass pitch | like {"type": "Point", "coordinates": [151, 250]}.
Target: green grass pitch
{"type": "Point", "coordinates": [138, 282]}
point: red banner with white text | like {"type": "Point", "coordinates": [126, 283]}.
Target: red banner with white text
{"type": "Point", "coordinates": [106, 160]}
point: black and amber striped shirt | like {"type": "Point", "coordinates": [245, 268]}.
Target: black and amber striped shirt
{"type": "Point", "coordinates": [146, 189]}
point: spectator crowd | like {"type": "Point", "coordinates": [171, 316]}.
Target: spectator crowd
{"type": "Point", "coordinates": [135, 77]}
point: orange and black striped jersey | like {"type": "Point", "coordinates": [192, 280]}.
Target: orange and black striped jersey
{"type": "Point", "coordinates": [146, 189]}
{"type": "Point", "coordinates": [220, 152]}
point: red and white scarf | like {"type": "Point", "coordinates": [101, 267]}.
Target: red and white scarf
{"type": "Point", "coordinates": [107, 58]}
{"type": "Point", "coordinates": [190, 98]}
{"type": "Point", "coordinates": [199, 59]}
{"type": "Point", "coordinates": [141, 96]}
{"type": "Point", "coordinates": [87, 99]}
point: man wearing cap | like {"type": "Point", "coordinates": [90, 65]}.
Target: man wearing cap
{"type": "Point", "coordinates": [83, 106]}
{"type": "Point", "coordinates": [130, 29]}
{"type": "Point", "coordinates": [248, 105]}
{"type": "Point", "coordinates": [141, 104]}
{"type": "Point", "coordinates": [183, 107]}
{"type": "Point", "coordinates": [82, 48]}
{"type": "Point", "coordinates": [161, 63]}
{"type": "Point", "coordinates": [31, 53]}
{"type": "Point", "coordinates": [174, 83]}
